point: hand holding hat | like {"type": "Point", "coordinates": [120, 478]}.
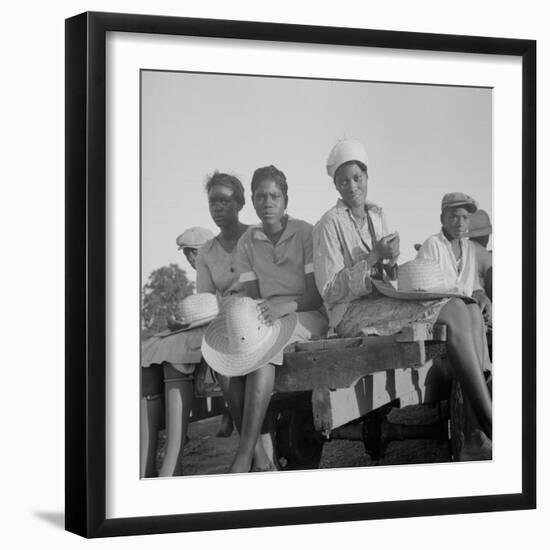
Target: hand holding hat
{"type": "Point", "coordinates": [239, 341]}
{"type": "Point", "coordinates": [388, 246]}
{"type": "Point", "coordinates": [270, 312]}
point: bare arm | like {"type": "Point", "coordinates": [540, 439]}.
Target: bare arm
{"type": "Point", "coordinates": [252, 289]}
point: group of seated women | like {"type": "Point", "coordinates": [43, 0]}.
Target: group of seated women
{"type": "Point", "coordinates": [305, 280]}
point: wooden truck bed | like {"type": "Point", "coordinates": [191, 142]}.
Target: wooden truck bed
{"type": "Point", "coordinates": [350, 377]}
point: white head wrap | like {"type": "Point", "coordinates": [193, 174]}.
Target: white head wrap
{"type": "Point", "coordinates": [344, 151]}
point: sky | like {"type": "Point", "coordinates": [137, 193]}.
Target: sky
{"type": "Point", "coordinates": [422, 141]}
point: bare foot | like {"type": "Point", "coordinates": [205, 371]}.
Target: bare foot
{"type": "Point", "coordinates": [269, 467]}
{"type": "Point", "coordinates": [240, 465]}
{"type": "Point", "coordinates": [477, 446]}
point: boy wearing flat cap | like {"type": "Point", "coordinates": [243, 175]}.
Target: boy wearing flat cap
{"type": "Point", "coordinates": [454, 252]}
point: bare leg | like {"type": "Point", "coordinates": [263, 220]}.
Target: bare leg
{"type": "Point", "coordinates": [152, 409]}
{"type": "Point", "coordinates": [179, 399]}
{"type": "Point", "coordinates": [476, 444]}
{"type": "Point", "coordinates": [151, 419]}
{"type": "Point", "coordinates": [465, 361]}
{"type": "Point", "coordinates": [234, 392]}
{"type": "Point", "coordinates": [258, 390]}
{"type": "Point", "coordinates": [226, 423]}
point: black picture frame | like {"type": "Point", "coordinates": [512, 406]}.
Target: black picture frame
{"type": "Point", "coordinates": [86, 263]}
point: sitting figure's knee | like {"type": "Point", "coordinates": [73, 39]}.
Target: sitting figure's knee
{"type": "Point", "coordinates": [457, 308]}
{"type": "Point", "coordinates": [456, 315]}
{"type": "Point", "coordinates": [475, 312]}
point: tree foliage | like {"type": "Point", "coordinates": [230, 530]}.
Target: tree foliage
{"type": "Point", "coordinates": [160, 297]}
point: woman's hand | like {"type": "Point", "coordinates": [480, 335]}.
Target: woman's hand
{"type": "Point", "coordinates": [395, 245]}
{"type": "Point", "coordinates": [270, 312]}
{"type": "Point", "coordinates": [387, 247]}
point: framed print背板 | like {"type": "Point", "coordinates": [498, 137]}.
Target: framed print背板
{"type": "Point", "coordinates": [154, 106]}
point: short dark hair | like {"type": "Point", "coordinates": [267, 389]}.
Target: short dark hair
{"type": "Point", "coordinates": [227, 180]}
{"type": "Point", "coordinates": [270, 173]}
{"type": "Point", "coordinates": [362, 167]}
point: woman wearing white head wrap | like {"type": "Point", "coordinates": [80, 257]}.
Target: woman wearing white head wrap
{"type": "Point", "coordinates": [352, 247]}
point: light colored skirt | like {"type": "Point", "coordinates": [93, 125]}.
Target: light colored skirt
{"type": "Point", "coordinates": [311, 324]}
{"type": "Point", "coordinates": [182, 350]}
{"type": "Point", "coordinates": [382, 316]}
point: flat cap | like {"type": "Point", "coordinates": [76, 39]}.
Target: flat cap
{"type": "Point", "coordinates": [194, 237]}
{"type": "Point", "coordinates": [454, 200]}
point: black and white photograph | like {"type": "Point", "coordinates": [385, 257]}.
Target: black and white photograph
{"type": "Point", "coordinates": [316, 274]}
{"type": "Point", "coordinates": [284, 304]}
{"type": "Point", "coordinates": [274, 275]}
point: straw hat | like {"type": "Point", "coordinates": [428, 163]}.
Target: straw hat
{"type": "Point", "coordinates": [419, 280]}
{"type": "Point", "coordinates": [344, 151]}
{"type": "Point", "coordinates": [239, 342]}
{"type": "Point", "coordinates": [196, 310]}
{"type": "Point", "coordinates": [480, 224]}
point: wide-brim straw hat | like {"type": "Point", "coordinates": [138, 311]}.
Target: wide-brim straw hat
{"type": "Point", "coordinates": [419, 279]}
{"type": "Point", "coordinates": [196, 310]}
{"type": "Point", "coordinates": [238, 342]}
{"type": "Point", "coordinates": [435, 294]}
{"type": "Point", "coordinates": [188, 326]}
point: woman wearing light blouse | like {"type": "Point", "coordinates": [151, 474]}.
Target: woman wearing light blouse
{"type": "Point", "coordinates": [352, 246]}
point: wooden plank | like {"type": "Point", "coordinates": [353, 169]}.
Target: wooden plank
{"type": "Point", "coordinates": [436, 349]}
{"type": "Point", "coordinates": [440, 332]}
{"type": "Point", "coordinates": [341, 367]}
{"type": "Point", "coordinates": [414, 333]}
{"type": "Point", "coordinates": [334, 408]}
{"type": "Point", "coordinates": [422, 331]}
{"type": "Point", "coordinates": [325, 344]}
{"type": "Point", "coordinates": [333, 415]}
